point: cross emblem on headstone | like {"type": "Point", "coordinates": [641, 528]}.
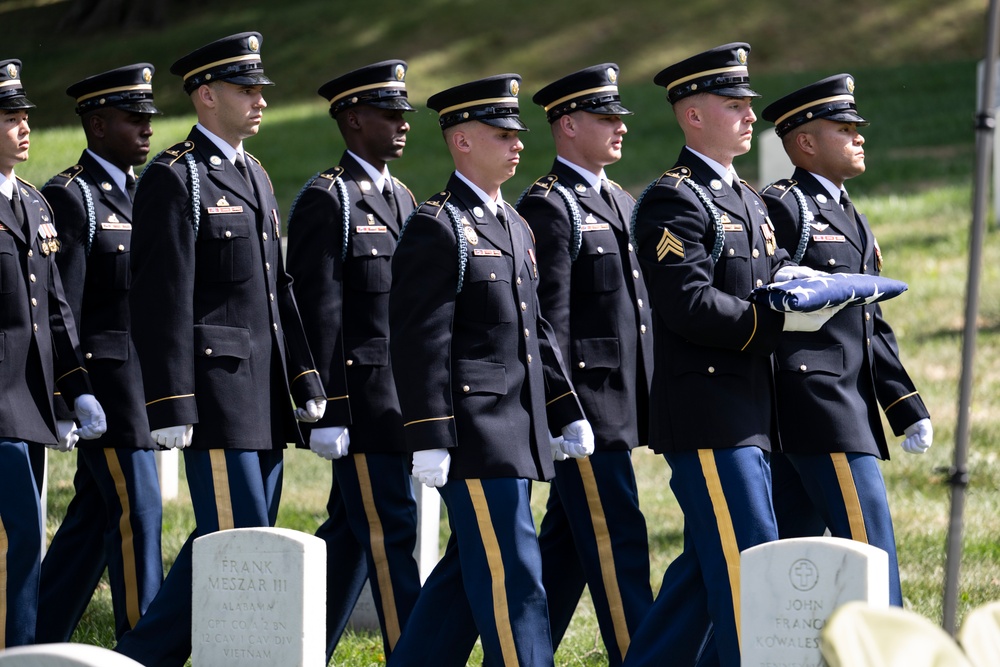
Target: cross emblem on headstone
{"type": "Point", "coordinates": [803, 575]}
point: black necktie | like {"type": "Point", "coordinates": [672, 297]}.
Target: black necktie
{"type": "Point", "coordinates": [848, 205]}
{"type": "Point", "coordinates": [130, 186]}
{"type": "Point", "coordinates": [390, 200]}
{"type": "Point", "coordinates": [737, 187]}
{"type": "Point", "coordinates": [501, 216]}
{"type": "Point", "coordinates": [242, 167]}
{"type": "Point", "coordinates": [15, 204]}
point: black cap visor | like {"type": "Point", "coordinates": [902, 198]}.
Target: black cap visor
{"type": "Point", "coordinates": [15, 103]}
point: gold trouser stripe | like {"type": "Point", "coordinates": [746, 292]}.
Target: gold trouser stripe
{"type": "Point", "coordinates": [849, 492]}
{"type": "Point", "coordinates": [376, 537]}
{"type": "Point", "coordinates": [605, 554]}
{"type": "Point", "coordinates": [3, 586]}
{"type": "Point", "coordinates": [724, 522]}
{"type": "Point", "coordinates": [501, 614]}
{"type": "Point", "coordinates": [128, 538]}
{"type": "Point", "coordinates": [220, 482]}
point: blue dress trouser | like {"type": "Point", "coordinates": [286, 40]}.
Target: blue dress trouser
{"type": "Point", "coordinates": [371, 533]}
{"type": "Point", "coordinates": [20, 543]}
{"type": "Point", "coordinates": [842, 492]}
{"type": "Point", "coordinates": [230, 488]}
{"type": "Point", "coordinates": [113, 521]}
{"type": "Point", "coordinates": [725, 495]}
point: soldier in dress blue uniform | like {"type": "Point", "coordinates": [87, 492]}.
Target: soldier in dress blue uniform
{"type": "Point", "coordinates": [215, 324]}
{"type": "Point", "coordinates": [831, 383]}
{"type": "Point", "coordinates": [39, 352]}
{"type": "Point", "coordinates": [341, 235]}
{"type": "Point", "coordinates": [114, 517]}
{"type": "Point", "coordinates": [705, 242]}
{"type": "Point", "coordinates": [480, 383]}
{"type": "Point", "coordinates": [591, 291]}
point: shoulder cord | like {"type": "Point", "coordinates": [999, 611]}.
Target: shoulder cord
{"type": "Point", "coordinates": [195, 184]}
{"type": "Point", "coordinates": [88, 200]}
{"type": "Point", "coordinates": [805, 217]}
{"type": "Point", "coordinates": [574, 215]}
{"type": "Point", "coordinates": [463, 248]}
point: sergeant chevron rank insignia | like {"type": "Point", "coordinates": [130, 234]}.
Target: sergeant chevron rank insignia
{"type": "Point", "coordinates": [669, 244]}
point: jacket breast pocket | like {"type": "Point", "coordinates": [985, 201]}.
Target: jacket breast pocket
{"type": "Point", "coordinates": [369, 262]}
{"type": "Point", "coordinates": [473, 377]}
{"type": "Point", "coordinates": [590, 353]}
{"type": "Point", "coordinates": [109, 266]}
{"type": "Point", "coordinates": [600, 271]}
{"type": "Point", "coordinates": [8, 267]}
{"type": "Point", "coordinates": [487, 296]}
{"type": "Point", "coordinates": [215, 341]}
{"type": "Point", "coordinates": [367, 352]}
{"type": "Point", "coordinates": [112, 345]}
{"type": "Point", "coordinates": [224, 250]}
{"type": "Point", "coordinates": [810, 359]}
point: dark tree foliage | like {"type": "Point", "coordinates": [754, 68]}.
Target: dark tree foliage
{"type": "Point", "coordinates": [96, 15]}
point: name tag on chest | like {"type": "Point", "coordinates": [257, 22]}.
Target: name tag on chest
{"type": "Point", "coordinates": [224, 209]}
{"type": "Point", "coordinates": [371, 229]}
{"type": "Point", "coordinates": [829, 238]}
{"type": "Point", "coordinates": [486, 252]}
{"type": "Point", "coordinates": [595, 227]}
{"type": "Point", "coordinates": [117, 225]}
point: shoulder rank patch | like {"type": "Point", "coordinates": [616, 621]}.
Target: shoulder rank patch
{"type": "Point", "coordinates": [783, 187]}
{"type": "Point", "coordinates": [669, 244]}
{"type": "Point", "coordinates": [177, 151]}
{"type": "Point", "coordinates": [677, 175]}
{"type": "Point", "coordinates": [545, 184]}
{"type": "Point", "coordinates": [438, 201]}
{"type": "Point", "coordinates": [69, 174]}
{"type": "Point", "coordinates": [327, 177]}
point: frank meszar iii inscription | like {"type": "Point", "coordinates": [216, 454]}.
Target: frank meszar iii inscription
{"type": "Point", "coordinates": [251, 603]}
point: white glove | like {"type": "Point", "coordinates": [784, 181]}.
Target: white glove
{"type": "Point", "coordinates": [431, 466]}
{"type": "Point", "coordinates": [173, 437]}
{"type": "Point", "coordinates": [90, 414]}
{"type": "Point", "coordinates": [556, 444]}
{"type": "Point", "coordinates": [330, 442]}
{"type": "Point", "coordinates": [793, 271]}
{"type": "Point", "coordinates": [919, 437]}
{"type": "Point", "coordinates": [68, 435]}
{"type": "Point", "coordinates": [313, 412]}
{"type": "Point", "coordinates": [813, 321]}
{"type": "Point", "coordinates": [578, 439]}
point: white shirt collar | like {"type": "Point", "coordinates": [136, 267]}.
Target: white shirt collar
{"type": "Point", "coordinates": [829, 186]}
{"type": "Point", "coordinates": [7, 185]}
{"type": "Point", "coordinates": [592, 179]}
{"type": "Point", "coordinates": [116, 174]}
{"type": "Point", "coordinates": [378, 178]}
{"type": "Point", "coordinates": [728, 175]}
{"type": "Point", "coordinates": [223, 145]}
{"type": "Point", "coordinates": [491, 204]}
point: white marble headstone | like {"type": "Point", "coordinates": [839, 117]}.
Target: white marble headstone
{"type": "Point", "coordinates": [259, 599]}
{"type": "Point", "coordinates": [64, 655]}
{"type": "Point", "coordinates": [772, 161]}
{"type": "Point", "coordinates": [789, 588]}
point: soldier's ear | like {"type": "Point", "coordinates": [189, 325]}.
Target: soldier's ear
{"type": "Point", "coordinates": [806, 143]}
{"type": "Point", "coordinates": [351, 119]}
{"type": "Point", "coordinates": [567, 124]}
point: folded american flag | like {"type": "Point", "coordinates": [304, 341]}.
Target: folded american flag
{"type": "Point", "coordinates": [827, 290]}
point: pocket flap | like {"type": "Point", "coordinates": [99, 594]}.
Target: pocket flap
{"type": "Point", "coordinates": [596, 352]}
{"type": "Point", "coordinates": [478, 377]}
{"type": "Point", "coordinates": [367, 352]}
{"type": "Point", "coordinates": [812, 358]}
{"type": "Point", "coordinates": [107, 345]}
{"type": "Point", "coordinates": [213, 340]}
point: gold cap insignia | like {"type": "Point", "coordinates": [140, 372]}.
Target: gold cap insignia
{"type": "Point", "coordinates": [514, 87]}
{"type": "Point", "coordinates": [470, 234]}
{"type": "Point", "coordinates": [253, 44]}
{"type": "Point", "coordinates": [147, 75]}
{"type": "Point", "coordinates": [741, 55]}
{"type": "Point", "coordinates": [850, 85]}
{"type": "Point", "coordinates": [12, 70]}
{"type": "Point", "coordinates": [612, 75]}
{"type": "Point", "coordinates": [400, 72]}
